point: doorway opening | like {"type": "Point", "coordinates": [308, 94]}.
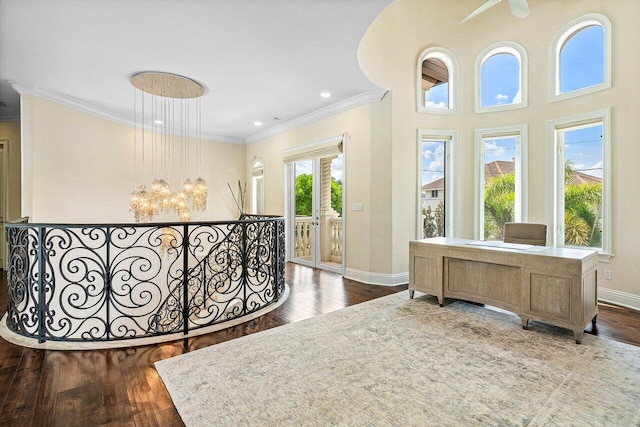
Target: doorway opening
{"type": "Point", "coordinates": [315, 201]}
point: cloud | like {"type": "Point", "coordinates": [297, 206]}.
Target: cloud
{"type": "Point", "coordinates": [431, 104]}
{"type": "Point", "coordinates": [428, 154]}
{"type": "Point", "coordinates": [336, 168]}
{"type": "Point", "coordinates": [438, 163]}
{"type": "Point", "coordinates": [501, 97]}
{"type": "Point", "coordinates": [517, 99]}
{"type": "Point", "coordinates": [596, 169]}
{"type": "Point", "coordinates": [492, 149]}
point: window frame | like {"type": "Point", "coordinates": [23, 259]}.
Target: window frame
{"type": "Point", "coordinates": [520, 53]}
{"type": "Point", "coordinates": [554, 56]}
{"type": "Point", "coordinates": [451, 62]}
{"type": "Point", "coordinates": [521, 173]}
{"type": "Point", "coordinates": [556, 177]}
{"type": "Point", "coordinates": [450, 138]}
{"type": "Point", "coordinates": [257, 174]}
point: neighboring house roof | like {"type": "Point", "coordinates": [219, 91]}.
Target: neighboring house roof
{"type": "Point", "coordinates": [498, 168]}
{"type": "Point", "coordinates": [438, 184]}
{"type": "Point", "coordinates": [582, 178]}
{"type": "Point", "coordinates": [501, 167]}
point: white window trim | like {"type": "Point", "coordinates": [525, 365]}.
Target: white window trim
{"type": "Point", "coordinates": [554, 56]}
{"type": "Point", "coordinates": [450, 60]}
{"type": "Point", "coordinates": [450, 137]}
{"type": "Point", "coordinates": [256, 173]}
{"type": "Point", "coordinates": [555, 154]}
{"type": "Point", "coordinates": [520, 53]}
{"type": "Point", "coordinates": [521, 172]}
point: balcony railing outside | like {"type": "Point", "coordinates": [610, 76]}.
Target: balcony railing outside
{"type": "Point", "coordinates": [125, 281]}
{"type": "Point", "coordinates": [303, 238]}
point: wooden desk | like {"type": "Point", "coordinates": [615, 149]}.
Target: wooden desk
{"type": "Point", "coordinates": [551, 285]}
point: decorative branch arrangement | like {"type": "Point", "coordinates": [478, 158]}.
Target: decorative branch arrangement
{"type": "Point", "coordinates": [242, 196]}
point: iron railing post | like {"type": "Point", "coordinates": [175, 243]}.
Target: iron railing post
{"type": "Point", "coordinates": [107, 281]}
{"type": "Point", "coordinates": [41, 293]}
{"type": "Point", "coordinates": [185, 279]}
{"type": "Point", "coordinates": [243, 253]}
{"type": "Point", "coordinates": [276, 257]}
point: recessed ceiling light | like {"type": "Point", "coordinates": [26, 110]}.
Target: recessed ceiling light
{"type": "Point", "coordinates": [325, 94]}
{"type": "Point", "coordinates": [257, 123]}
{"type": "Point", "coordinates": [158, 122]}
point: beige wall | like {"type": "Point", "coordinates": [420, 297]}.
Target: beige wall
{"type": "Point", "coordinates": [367, 179]}
{"type": "Point", "coordinates": [11, 131]}
{"type": "Point", "coordinates": [79, 168]}
{"type": "Point", "coordinates": [388, 55]}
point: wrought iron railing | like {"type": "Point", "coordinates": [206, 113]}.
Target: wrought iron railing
{"type": "Point", "coordinates": [125, 281]}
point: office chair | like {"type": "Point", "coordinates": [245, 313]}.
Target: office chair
{"type": "Point", "coordinates": [525, 233]}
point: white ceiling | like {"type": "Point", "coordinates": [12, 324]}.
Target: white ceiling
{"type": "Point", "coordinates": [257, 59]}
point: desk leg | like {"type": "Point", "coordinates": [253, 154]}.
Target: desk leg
{"type": "Point", "coordinates": [578, 335]}
{"type": "Point", "coordinates": [525, 322]}
{"type": "Point", "coordinates": [411, 293]}
{"type": "Point", "coordinates": [441, 301]}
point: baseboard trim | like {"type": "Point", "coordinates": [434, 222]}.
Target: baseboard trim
{"type": "Point", "coordinates": [619, 298]}
{"type": "Point", "coordinates": [377, 278]}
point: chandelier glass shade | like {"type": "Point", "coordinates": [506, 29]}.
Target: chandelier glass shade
{"type": "Point", "coordinates": [166, 131]}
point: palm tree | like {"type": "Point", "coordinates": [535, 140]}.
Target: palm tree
{"type": "Point", "coordinates": [582, 204]}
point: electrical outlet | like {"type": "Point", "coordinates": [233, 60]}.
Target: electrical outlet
{"type": "Point", "coordinates": [607, 274]}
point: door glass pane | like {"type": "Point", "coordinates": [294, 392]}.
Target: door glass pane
{"type": "Point", "coordinates": [432, 186]}
{"type": "Point", "coordinates": [303, 190]}
{"type": "Point", "coordinates": [331, 210]}
{"type": "Point", "coordinates": [499, 185]}
{"type": "Point", "coordinates": [583, 186]}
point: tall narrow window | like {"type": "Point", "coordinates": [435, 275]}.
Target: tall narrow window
{"type": "Point", "coordinates": [436, 152]}
{"type": "Point", "coordinates": [437, 75]}
{"type": "Point", "coordinates": [501, 180]}
{"type": "Point", "coordinates": [581, 61]}
{"type": "Point", "coordinates": [257, 187]}
{"type": "Point", "coordinates": [501, 78]}
{"type": "Point", "coordinates": [581, 196]}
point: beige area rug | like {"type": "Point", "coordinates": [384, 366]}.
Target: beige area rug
{"type": "Point", "coordinates": [399, 362]}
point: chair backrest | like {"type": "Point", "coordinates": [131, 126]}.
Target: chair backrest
{"type": "Point", "coordinates": [525, 233]}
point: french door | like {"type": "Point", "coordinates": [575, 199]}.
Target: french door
{"type": "Point", "coordinates": [315, 212]}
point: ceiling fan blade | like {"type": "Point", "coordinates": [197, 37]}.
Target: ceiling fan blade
{"type": "Point", "coordinates": [485, 6]}
{"type": "Point", "coordinates": [519, 8]}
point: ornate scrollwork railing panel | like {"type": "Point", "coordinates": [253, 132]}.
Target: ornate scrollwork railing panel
{"type": "Point", "coordinates": [111, 282]}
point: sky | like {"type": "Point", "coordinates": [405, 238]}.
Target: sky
{"type": "Point", "coordinates": [305, 167]}
{"type": "Point", "coordinates": [581, 65]}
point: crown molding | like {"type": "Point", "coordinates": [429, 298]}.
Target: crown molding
{"type": "Point", "coordinates": [339, 107]}
{"type": "Point", "coordinates": [85, 107]}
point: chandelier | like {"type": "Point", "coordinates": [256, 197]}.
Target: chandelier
{"type": "Point", "coordinates": [167, 122]}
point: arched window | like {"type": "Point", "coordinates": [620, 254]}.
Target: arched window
{"type": "Point", "coordinates": [257, 187]}
{"type": "Point", "coordinates": [581, 57]}
{"type": "Point", "coordinates": [501, 78]}
{"type": "Point", "coordinates": [437, 81]}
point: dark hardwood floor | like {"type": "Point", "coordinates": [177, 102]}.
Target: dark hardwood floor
{"type": "Point", "coordinates": [120, 387]}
